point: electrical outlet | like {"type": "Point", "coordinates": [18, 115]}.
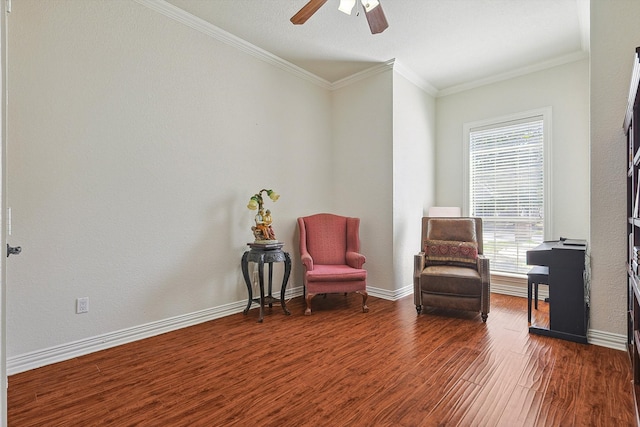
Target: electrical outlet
{"type": "Point", "coordinates": [82, 305]}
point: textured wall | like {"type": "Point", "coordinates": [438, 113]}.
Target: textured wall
{"type": "Point", "coordinates": [614, 36]}
{"type": "Point", "coordinates": [362, 167]}
{"type": "Point", "coordinates": [413, 172]}
{"type": "Point", "coordinates": [134, 145]}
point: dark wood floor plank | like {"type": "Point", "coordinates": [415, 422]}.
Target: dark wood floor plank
{"type": "Point", "coordinates": [561, 396]}
{"type": "Point", "coordinates": [454, 405]}
{"type": "Point", "coordinates": [521, 408]}
{"type": "Point", "coordinates": [598, 382]}
{"type": "Point", "coordinates": [429, 386]}
{"type": "Point", "coordinates": [537, 372]}
{"type": "Point", "coordinates": [497, 378]}
{"type": "Point", "coordinates": [339, 366]}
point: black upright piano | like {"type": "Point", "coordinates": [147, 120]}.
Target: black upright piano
{"type": "Point", "coordinates": [568, 294]}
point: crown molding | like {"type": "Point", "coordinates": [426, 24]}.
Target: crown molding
{"type": "Point", "coordinates": [364, 74]}
{"type": "Point", "coordinates": [179, 15]}
{"type": "Point", "coordinates": [566, 59]}
{"type": "Point", "coordinates": [415, 79]}
{"type": "Point", "coordinates": [204, 27]}
{"type": "Point", "coordinates": [198, 24]}
{"type": "Point", "coordinates": [392, 64]}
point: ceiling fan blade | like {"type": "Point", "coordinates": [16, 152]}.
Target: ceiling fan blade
{"type": "Point", "coordinates": [377, 21]}
{"type": "Point", "coordinates": [306, 11]}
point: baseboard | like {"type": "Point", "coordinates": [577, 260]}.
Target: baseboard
{"type": "Point", "coordinates": [607, 339]}
{"type": "Point", "coordinates": [595, 337]}
{"type": "Point", "coordinates": [48, 356]}
{"type": "Point", "coordinates": [390, 295]}
{"type": "Point", "coordinates": [372, 291]}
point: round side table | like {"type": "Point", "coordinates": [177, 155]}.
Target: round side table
{"type": "Point", "coordinates": [266, 253]}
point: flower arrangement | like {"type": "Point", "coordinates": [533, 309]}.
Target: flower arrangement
{"type": "Point", "coordinates": [262, 231]}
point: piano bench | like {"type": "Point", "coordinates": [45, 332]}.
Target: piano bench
{"type": "Point", "coordinates": [537, 275]}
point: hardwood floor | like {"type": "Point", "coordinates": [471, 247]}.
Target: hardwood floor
{"type": "Point", "coordinates": [337, 367]}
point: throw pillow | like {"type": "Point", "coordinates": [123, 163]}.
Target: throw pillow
{"type": "Point", "coordinates": [450, 252]}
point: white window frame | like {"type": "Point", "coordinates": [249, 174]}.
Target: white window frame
{"type": "Point", "coordinates": [546, 114]}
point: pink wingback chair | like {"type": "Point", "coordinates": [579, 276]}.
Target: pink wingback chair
{"type": "Point", "coordinates": [329, 251]}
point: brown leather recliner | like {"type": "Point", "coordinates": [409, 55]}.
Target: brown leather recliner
{"type": "Point", "coordinates": [451, 271]}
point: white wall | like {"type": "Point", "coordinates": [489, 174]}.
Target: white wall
{"type": "Point", "coordinates": [135, 143]}
{"type": "Point", "coordinates": [414, 140]}
{"type": "Point", "coordinates": [383, 145]}
{"type": "Point", "coordinates": [614, 36]}
{"type": "Point", "coordinates": [363, 182]}
{"type": "Point", "coordinates": [566, 90]}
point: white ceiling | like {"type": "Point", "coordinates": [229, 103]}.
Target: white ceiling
{"type": "Point", "coordinates": [444, 44]}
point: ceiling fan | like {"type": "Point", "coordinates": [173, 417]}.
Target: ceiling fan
{"type": "Point", "coordinates": [372, 9]}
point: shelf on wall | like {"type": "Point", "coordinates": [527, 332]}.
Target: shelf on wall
{"type": "Point", "coordinates": [633, 228]}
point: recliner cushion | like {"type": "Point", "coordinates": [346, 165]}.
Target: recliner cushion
{"type": "Point", "coordinates": [451, 280]}
{"type": "Point", "coordinates": [456, 229]}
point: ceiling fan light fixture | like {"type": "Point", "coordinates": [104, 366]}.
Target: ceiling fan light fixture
{"type": "Point", "coordinates": [346, 6]}
{"type": "Point", "coordinates": [369, 5]}
{"type": "Point", "coordinates": [372, 10]}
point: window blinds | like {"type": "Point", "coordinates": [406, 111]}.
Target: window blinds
{"type": "Point", "coordinates": [507, 190]}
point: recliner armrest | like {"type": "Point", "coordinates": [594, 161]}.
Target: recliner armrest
{"type": "Point", "coordinates": [418, 265]}
{"type": "Point", "coordinates": [483, 268]}
{"type": "Point", "coordinates": [355, 259]}
{"type": "Point", "coordinates": [485, 276]}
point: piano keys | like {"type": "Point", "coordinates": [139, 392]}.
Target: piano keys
{"type": "Point", "coordinates": [568, 293]}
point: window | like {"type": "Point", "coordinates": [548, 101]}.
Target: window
{"type": "Point", "coordinates": [506, 186]}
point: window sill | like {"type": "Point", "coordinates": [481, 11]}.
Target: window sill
{"type": "Point", "coordinates": [509, 279]}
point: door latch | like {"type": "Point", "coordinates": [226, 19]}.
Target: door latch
{"type": "Point", "coordinates": [13, 250]}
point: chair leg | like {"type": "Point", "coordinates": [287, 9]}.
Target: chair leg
{"type": "Point", "coordinates": [307, 312]}
{"type": "Point", "coordinates": [365, 295]}
{"type": "Point", "coordinates": [484, 317]}
{"type": "Point", "coordinates": [419, 308]}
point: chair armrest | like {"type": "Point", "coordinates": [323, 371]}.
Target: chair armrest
{"type": "Point", "coordinates": [307, 261]}
{"type": "Point", "coordinates": [483, 268]}
{"type": "Point", "coordinates": [418, 266]}
{"type": "Point", "coordinates": [355, 260]}
{"type": "Point", "coordinates": [485, 276]}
